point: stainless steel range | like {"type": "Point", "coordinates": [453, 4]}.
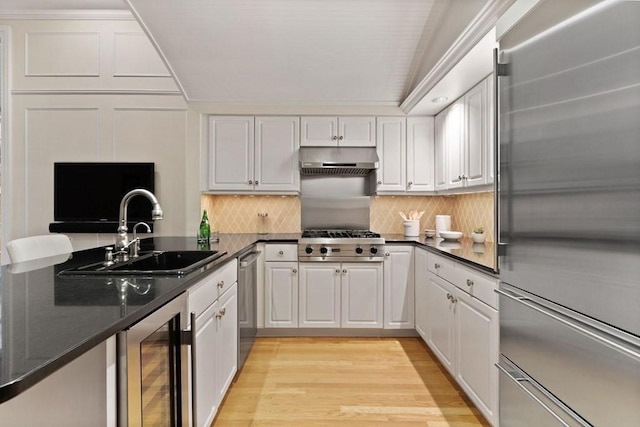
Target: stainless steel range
{"type": "Point", "coordinates": [341, 245]}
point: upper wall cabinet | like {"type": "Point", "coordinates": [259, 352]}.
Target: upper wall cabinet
{"type": "Point", "coordinates": [405, 149]}
{"type": "Point", "coordinates": [329, 131]}
{"type": "Point", "coordinates": [255, 154]}
{"type": "Point", "coordinates": [464, 141]}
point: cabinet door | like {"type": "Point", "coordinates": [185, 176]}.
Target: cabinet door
{"type": "Point", "coordinates": [319, 295]}
{"type": "Point", "coordinates": [398, 288]}
{"type": "Point", "coordinates": [276, 151]}
{"type": "Point", "coordinates": [475, 135]}
{"type": "Point", "coordinates": [231, 153]}
{"type": "Point", "coordinates": [281, 295]}
{"type": "Point", "coordinates": [477, 327]}
{"type": "Point", "coordinates": [319, 131]}
{"type": "Point", "coordinates": [207, 390]}
{"type": "Point", "coordinates": [420, 283]}
{"type": "Point", "coordinates": [490, 142]}
{"type": "Point", "coordinates": [440, 152]}
{"type": "Point", "coordinates": [391, 150]}
{"type": "Point", "coordinates": [357, 131]}
{"type": "Point", "coordinates": [454, 129]}
{"type": "Point", "coordinates": [362, 304]}
{"type": "Point", "coordinates": [227, 348]}
{"type": "Point", "coordinates": [441, 318]}
{"type": "Point", "coordinates": [420, 154]}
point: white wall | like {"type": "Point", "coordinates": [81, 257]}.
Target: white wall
{"type": "Point", "coordinates": [90, 90]}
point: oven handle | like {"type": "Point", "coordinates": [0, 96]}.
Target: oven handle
{"type": "Point", "coordinates": [188, 337]}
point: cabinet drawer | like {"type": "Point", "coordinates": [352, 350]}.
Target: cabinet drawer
{"type": "Point", "coordinates": [442, 267]}
{"type": "Point", "coordinates": [285, 252]}
{"type": "Point", "coordinates": [205, 293]}
{"type": "Point", "coordinates": [477, 284]}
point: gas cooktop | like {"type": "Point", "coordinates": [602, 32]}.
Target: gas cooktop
{"type": "Point", "coordinates": [339, 234]}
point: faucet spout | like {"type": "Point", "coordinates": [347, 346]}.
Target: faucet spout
{"type": "Point", "coordinates": [122, 240]}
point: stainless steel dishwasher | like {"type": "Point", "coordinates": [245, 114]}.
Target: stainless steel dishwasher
{"type": "Point", "coordinates": [247, 304]}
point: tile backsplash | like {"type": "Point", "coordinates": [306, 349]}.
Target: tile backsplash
{"type": "Point", "coordinates": [239, 213]}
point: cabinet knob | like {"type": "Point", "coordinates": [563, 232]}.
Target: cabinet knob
{"type": "Point", "coordinates": [344, 271]}
{"type": "Point", "coordinates": [341, 138]}
{"type": "Point", "coordinates": [335, 137]}
{"type": "Point", "coordinates": [256, 182]}
{"type": "Point", "coordinates": [221, 313]}
{"type": "Point", "coordinates": [221, 284]}
{"type": "Point", "coordinates": [295, 270]}
{"type": "Point", "coordinates": [469, 282]}
{"type": "Point", "coordinates": [410, 183]}
{"type": "Point", "coordinates": [436, 265]}
{"type": "Point", "coordinates": [387, 254]}
{"type": "Point", "coordinates": [337, 271]}
{"type": "Point", "coordinates": [281, 253]}
{"type": "Point", "coordinates": [459, 178]}
{"type": "Point", "coordinates": [449, 296]}
{"type": "Point", "coordinates": [250, 181]}
{"type": "Point", "coordinates": [379, 182]}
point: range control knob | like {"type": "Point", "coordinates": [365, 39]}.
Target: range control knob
{"type": "Point", "coordinates": [323, 250]}
{"type": "Point", "coordinates": [358, 250]}
{"type": "Point", "coordinates": [373, 250]}
{"type": "Point", "coordinates": [308, 249]}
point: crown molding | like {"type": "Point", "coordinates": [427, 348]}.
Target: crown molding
{"type": "Point", "coordinates": [102, 15]}
{"type": "Point", "coordinates": [484, 21]}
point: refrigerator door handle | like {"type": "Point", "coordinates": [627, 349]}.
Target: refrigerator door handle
{"type": "Point", "coordinates": [603, 337]}
{"type": "Point", "coordinates": [522, 380]}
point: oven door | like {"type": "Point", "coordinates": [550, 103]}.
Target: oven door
{"type": "Point", "coordinates": [153, 369]}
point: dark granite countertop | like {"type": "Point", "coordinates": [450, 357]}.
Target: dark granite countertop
{"type": "Point", "coordinates": [48, 320]}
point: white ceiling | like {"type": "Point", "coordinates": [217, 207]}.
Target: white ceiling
{"type": "Point", "coordinates": [294, 52]}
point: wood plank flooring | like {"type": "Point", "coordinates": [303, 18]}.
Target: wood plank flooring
{"type": "Point", "coordinates": [345, 382]}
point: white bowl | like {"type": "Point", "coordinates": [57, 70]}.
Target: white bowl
{"type": "Point", "coordinates": [451, 235]}
{"type": "Point", "coordinates": [430, 233]}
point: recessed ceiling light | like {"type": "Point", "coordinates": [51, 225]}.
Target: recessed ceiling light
{"type": "Point", "coordinates": [440, 99]}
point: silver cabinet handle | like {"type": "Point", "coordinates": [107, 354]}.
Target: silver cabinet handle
{"type": "Point", "coordinates": [387, 254]}
{"type": "Point", "coordinates": [250, 181]}
{"type": "Point", "coordinates": [221, 284]}
{"type": "Point", "coordinates": [341, 138]}
{"type": "Point", "coordinates": [256, 182]}
{"type": "Point", "coordinates": [410, 183]}
{"type": "Point", "coordinates": [294, 271]}
{"type": "Point", "coordinates": [221, 313]}
{"type": "Point", "coordinates": [335, 137]}
{"type": "Point", "coordinates": [469, 282]}
{"type": "Point", "coordinates": [449, 296]}
{"type": "Point", "coordinates": [337, 271]}
{"type": "Point", "coordinates": [281, 253]}
{"type": "Point", "coordinates": [436, 266]}
{"type": "Point", "coordinates": [344, 271]}
{"type": "Point", "coordinates": [379, 182]}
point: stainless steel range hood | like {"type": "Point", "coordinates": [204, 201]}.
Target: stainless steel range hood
{"type": "Point", "coordinates": [354, 161]}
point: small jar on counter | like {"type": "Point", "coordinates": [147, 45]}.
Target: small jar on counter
{"type": "Point", "coordinates": [263, 223]}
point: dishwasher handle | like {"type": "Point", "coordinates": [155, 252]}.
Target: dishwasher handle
{"type": "Point", "coordinates": [249, 259]}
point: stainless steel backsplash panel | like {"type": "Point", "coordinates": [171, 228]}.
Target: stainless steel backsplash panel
{"type": "Point", "coordinates": [335, 202]}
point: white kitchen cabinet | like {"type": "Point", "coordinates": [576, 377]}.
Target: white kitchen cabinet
{"type": "Point", "coordinates": [362, 290]}
{"type": "Point", "coordinates": [420, 286]}
{"type": "Point", "coordinates": [441, 320]}
{"type": "Point", "coordinates": [391, 148]}
{"type": "Point", "coordinates": [319, 295]}
{"type": "Point", "coordinates": [454, 137]}
{"type": "Point", "coordinates": [475, 135]}
{"type": "Point", "coordinates": [420, 154]}
{"type": "Point", "coordinates": [347, 295]}
{"type": "Point", "coordinates": [477, 331]}
{"type": "Point", "coordinates": [463, 329]}
{"type": "Point", "coordinates": [231, 152]}
{"type": "Point", "coordinates": [214, 301]}
{"type": "Point", "coordinates": [255, 154]}
{"type": "Point", "coordinates": [281, 294]}
{"type": "Point", "coordinates": [330, 131]}
{"type": "Point", "coordinates": [398, 288]}
{"type": "Point", "coordinates": [440, 151]}
{"type": "Point", "coordinates": [227, 349]}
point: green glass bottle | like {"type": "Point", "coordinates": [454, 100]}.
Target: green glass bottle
{"type": "Point", "coordinates": [204, 232]}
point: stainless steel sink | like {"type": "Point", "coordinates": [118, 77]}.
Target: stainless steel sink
{"type": "Point", "coordinates": [158, 263]}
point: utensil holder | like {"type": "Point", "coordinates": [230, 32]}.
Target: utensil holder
{"type": "Point", "coordinates": [411, 228]}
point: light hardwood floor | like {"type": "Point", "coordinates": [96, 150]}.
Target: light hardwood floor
{"type": "Point", "coordinates": [345, 382]}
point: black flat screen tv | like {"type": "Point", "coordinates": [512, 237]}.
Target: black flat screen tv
{"type": "Point", "coordinates": [91, 192]}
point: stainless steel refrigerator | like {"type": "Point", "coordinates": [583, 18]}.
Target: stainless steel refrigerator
{"type": "Point", "coordinates": [569, 215]}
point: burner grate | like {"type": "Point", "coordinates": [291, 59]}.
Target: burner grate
{"type": "Point", "coordinates": [340, 234]}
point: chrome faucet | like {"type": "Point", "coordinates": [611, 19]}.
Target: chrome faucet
{"type": "Point", "coordinates": [123, 246]}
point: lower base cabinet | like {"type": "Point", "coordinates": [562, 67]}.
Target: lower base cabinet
{"type": "Point", "coordinates": [463, 331]}
{"type": "Point", "coordinates": [334, 295]}
{"type": "Point", "coordinates": [281, 294]}
{"type": "Point", "coordinates": [216, 342]}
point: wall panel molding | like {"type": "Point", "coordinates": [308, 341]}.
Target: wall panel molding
{"type": "Point", "coordinates": [62, 54]}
